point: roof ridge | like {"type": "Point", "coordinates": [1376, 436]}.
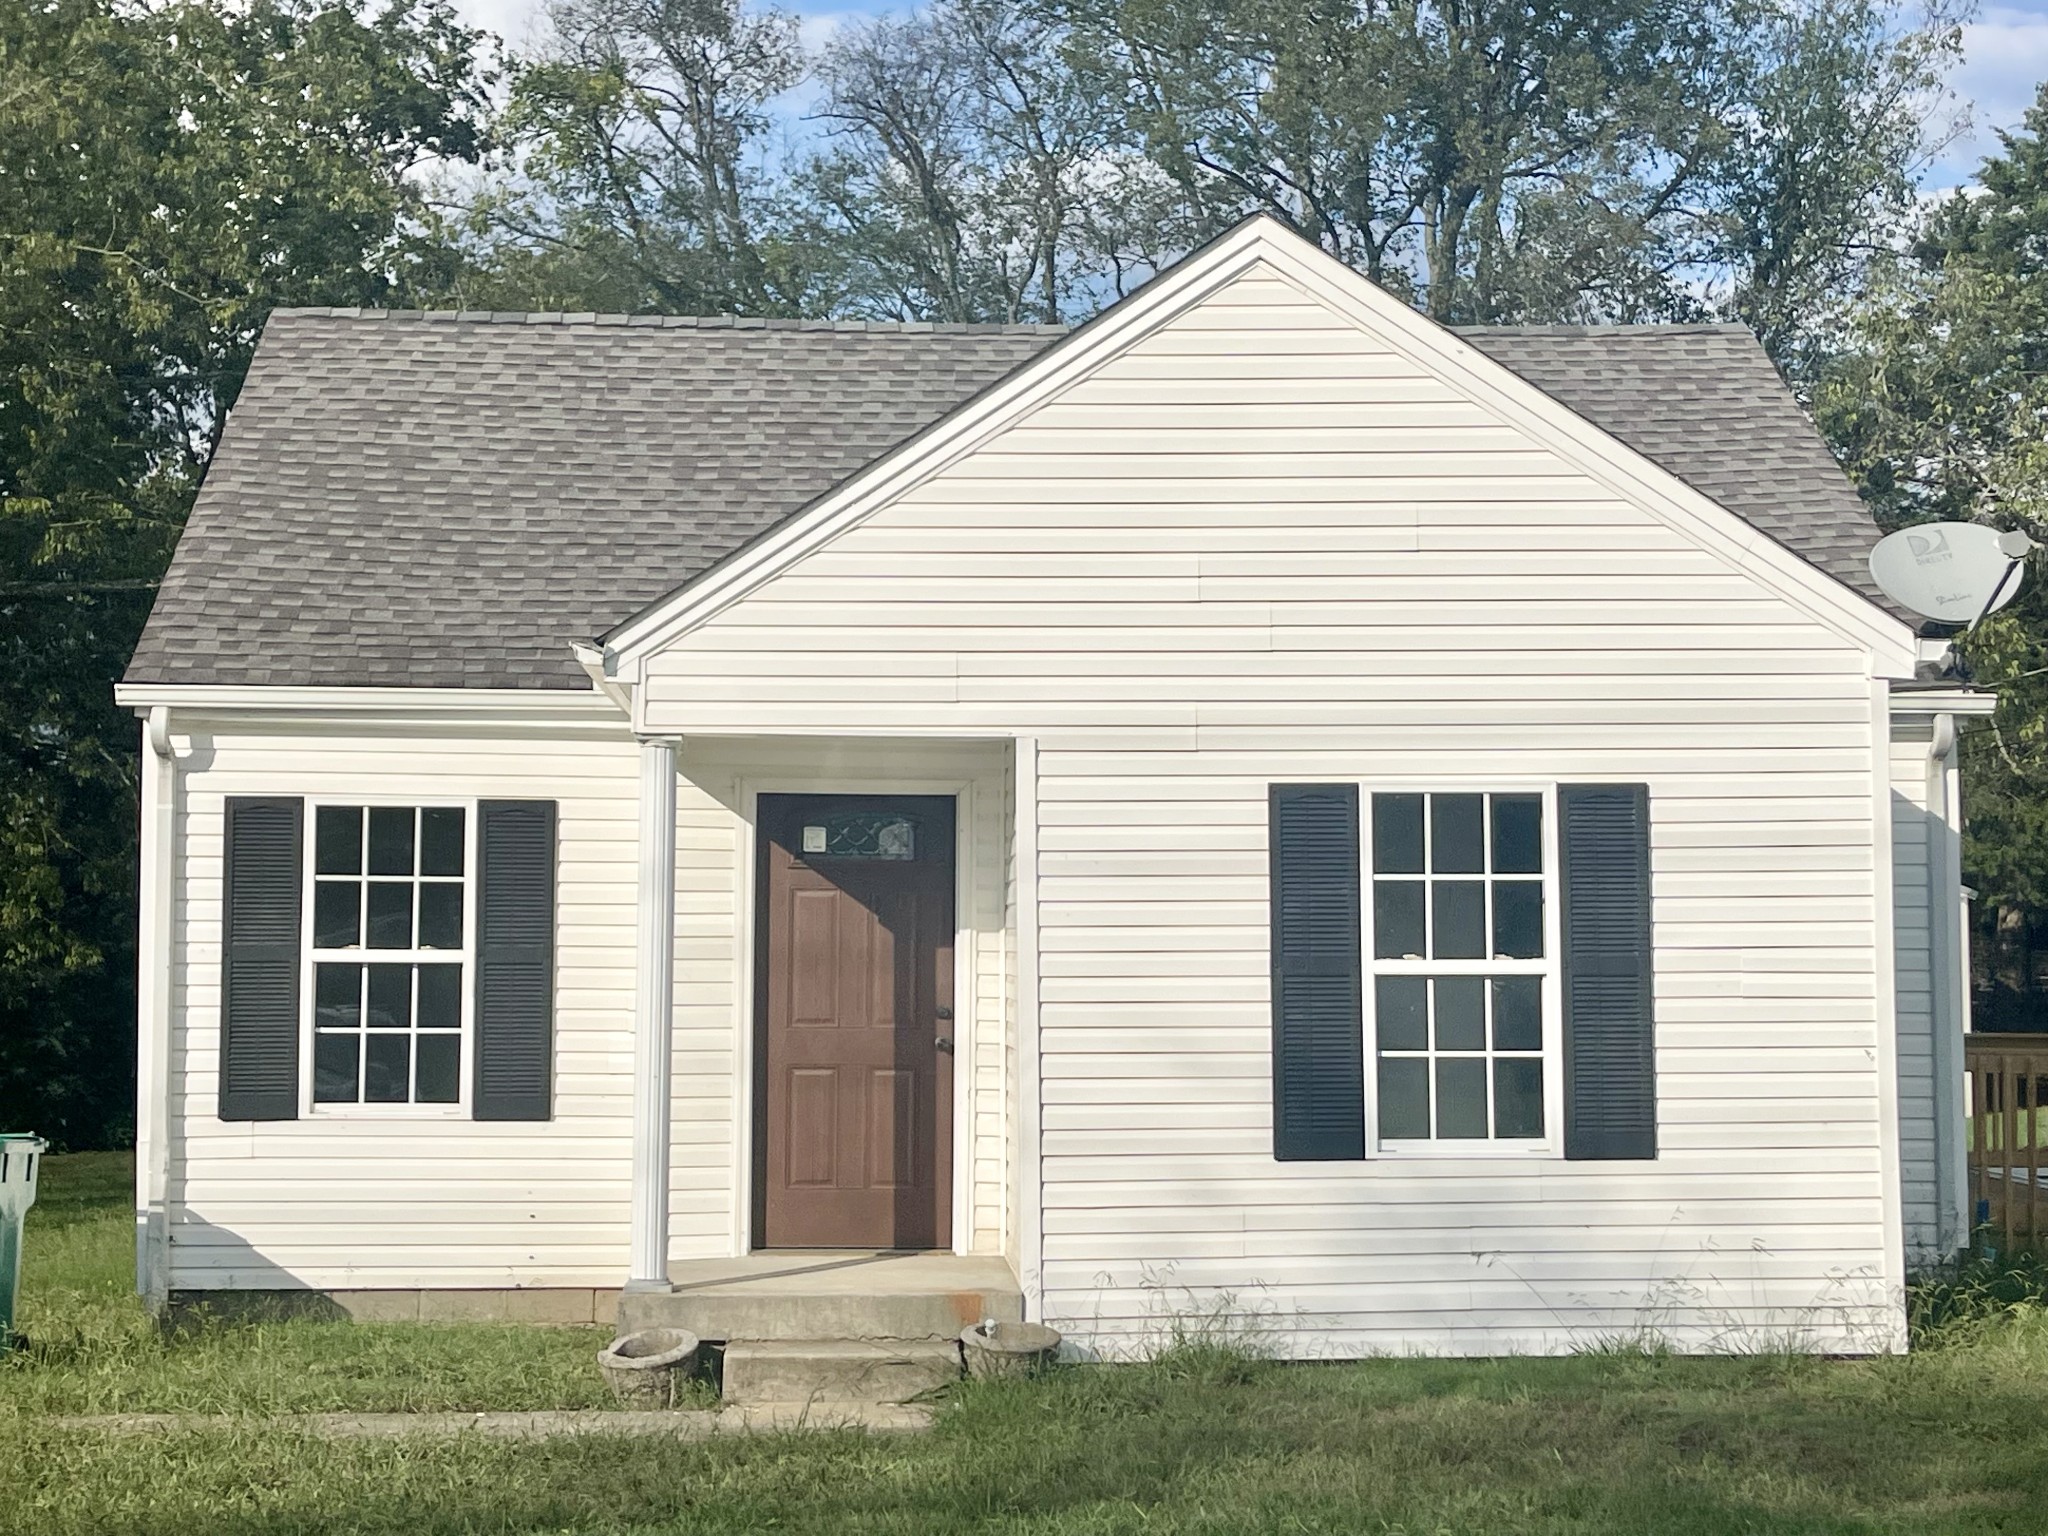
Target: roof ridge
{"type": "Point", "coordinates": [1613, 328]}
{"type": "Point", "coordinates": [730, 322]}
{"type": "Point", "coordinates": [665, 322]}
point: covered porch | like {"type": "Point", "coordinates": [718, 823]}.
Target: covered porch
{"type": "Point", "coordinates": [832, 924]}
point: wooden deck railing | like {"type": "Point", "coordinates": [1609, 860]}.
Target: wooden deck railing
{"type": "Point", "coordinates": [2008, 1082]}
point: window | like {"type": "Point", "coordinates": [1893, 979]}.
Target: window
{"type": "Point", "coordinates": [861, 835]}
{"type": "Point", "coordinates": [390, 925]}
{"type": "Point", "coordinates": [1463, 979]}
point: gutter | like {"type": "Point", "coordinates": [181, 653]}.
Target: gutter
{"type": "Point", "coordinates": [1943, 703]}
{"type": "Point", "coordinates": [596, 664]}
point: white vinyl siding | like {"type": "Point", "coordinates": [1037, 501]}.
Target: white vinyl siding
{"type": "Point", "coordinates": [368, 1200]}
{"type": "Point", "coordinates": [1263, 547]}
{"type": "Point", "coordinates": [1917, 840]}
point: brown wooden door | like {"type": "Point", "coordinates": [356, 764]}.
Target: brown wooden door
{"type": "Point", "coordinates": [854, 1002]}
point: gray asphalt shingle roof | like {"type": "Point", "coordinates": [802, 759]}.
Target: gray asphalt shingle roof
{"type": "Point", "coordinates": [1706, 403]}
{"type": "Point", "coordinates": [447, 501]}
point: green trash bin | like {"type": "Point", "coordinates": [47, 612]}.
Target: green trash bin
{"type": "Point", "coordinates": [20, 1157]}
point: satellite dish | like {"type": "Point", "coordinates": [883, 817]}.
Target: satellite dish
{"type": "Point", "coordinates": [1955, 572]}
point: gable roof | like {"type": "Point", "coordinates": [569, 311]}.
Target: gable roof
{"type": "Point", "coordinates": [1707, 403]}
{"type": "Point", "coordinates": [449, 500]}
{"type": "Point", "coordinates": [442, 500]}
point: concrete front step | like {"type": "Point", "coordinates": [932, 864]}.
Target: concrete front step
{"type": "Point", "coordinates": [831, 1295]}
{"type": "Point", "coordinates": [836, 1371]}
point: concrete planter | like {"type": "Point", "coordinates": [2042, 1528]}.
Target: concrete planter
{"type": "Point", "coordinates": [648, 1369]}
{"type": "Point", "coordinates": [1008, 1349]}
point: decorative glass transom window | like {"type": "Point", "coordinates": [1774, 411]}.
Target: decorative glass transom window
{"type": "Point", "coordinates": [861, 835]}
{"type": "Point", "coordinates": [1462, 979]}
{"type": "Point", "coordinates": [390, 947]}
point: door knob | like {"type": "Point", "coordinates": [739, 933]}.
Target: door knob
{"type": "Point", "coordinates": [945, 1013]}
{"type": "Point", "coordinates": [944, 1043]}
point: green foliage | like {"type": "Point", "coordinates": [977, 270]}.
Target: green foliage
{"type": "Point", "coordinates": [1978, 1297]}
{"type": "Point", "coordinates": [970, 173]}
{"type": "Point", "coordinates": [1007, 159]}
{"type": "Point", "coordinates": [1939, 405]}
{"type": "Point", "coordinates": [171, 172]}
{"type": "Point", "coordinates": [1630, 159]}
{"type": "Point", "coordinates": [639, 186]}
{"type": "Point", "coordinates": [1825, 166]}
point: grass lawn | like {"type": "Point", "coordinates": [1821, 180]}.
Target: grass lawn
{"type": "Point", "coordinates": [1987, 1131]}
{"type": "Point", "coordinates": [92, 1349]}
{"type": "Point", "coordinates": [1950, 1439]}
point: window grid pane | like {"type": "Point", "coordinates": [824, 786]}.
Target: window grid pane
{"type": "Point", "coordinates": [389, 951]}
{"type": "Point", "coordinates": [1459, 914]}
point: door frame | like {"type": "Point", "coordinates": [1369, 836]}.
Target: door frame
{"type": "Point", "coordinates": [747, 1100]}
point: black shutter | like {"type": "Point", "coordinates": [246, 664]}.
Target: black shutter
{"type": "Point", "coordinates": [1318, 1046]}
{"type": "Point", "coordinates": [1610, 1059]}
{"type": "Point", "coordinates": [515, 960]}
{"type": "Point", "coordinates": [261, 889]}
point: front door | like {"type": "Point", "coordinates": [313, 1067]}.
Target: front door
{"type": "Point", "coordinates": [853, 1142]}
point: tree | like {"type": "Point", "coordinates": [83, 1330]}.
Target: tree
{"type": "Point", "coordinates": [1820, 174]}
{"type": "Point", "coordinates": [1624, 159]}
{"type": "Point", "coordinates": [643, 179]}
{"type": "Point", "coordinates": [1939, 407]}
{"type": "Point", "coordinates": [167, 175]}
{"type": "Point", "coordinates": [968, 174]}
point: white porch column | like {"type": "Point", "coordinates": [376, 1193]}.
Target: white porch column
{"type": "Point", "coordinates": [155, 1120]}
{"type": "Point", "coordinates": [653, 1015]}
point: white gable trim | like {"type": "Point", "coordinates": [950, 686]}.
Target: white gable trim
{"type": "Point", "coordinates": [1322, 279]}
{"type": "Point", "coordinates": [1501, 391]}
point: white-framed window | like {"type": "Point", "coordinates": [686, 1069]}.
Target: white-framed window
{"type": "Point", "coordinates": [390, 923]}
{"type": "Point", "coordinates": [1462, 976]}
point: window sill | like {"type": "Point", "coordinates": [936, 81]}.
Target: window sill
{"type": "Point", "coordinates": [1453, 1151]}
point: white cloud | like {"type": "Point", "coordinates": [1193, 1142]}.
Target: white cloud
{"type": "Point", "coordinates": [513, 20]}
{"type": "Point", "coordinates": [817, 28]}
{"type": "Point", "coordinates": [2005, 59]}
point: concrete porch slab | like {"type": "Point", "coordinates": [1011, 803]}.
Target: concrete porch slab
{"type": "Point", "coordinates": [829, 1294]}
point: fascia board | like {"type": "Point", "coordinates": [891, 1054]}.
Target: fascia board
{"type": "Point", "coordinates": [467, 707]}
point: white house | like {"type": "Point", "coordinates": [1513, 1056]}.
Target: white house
{"type": "Point", "coordinates": [1261, 806]}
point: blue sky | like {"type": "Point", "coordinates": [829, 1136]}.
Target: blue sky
{"type": "Point", "coordinates": [2005, 56]}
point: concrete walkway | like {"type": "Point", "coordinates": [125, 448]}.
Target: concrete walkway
{"type": "Point", "coordinates": [758, 1418]}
